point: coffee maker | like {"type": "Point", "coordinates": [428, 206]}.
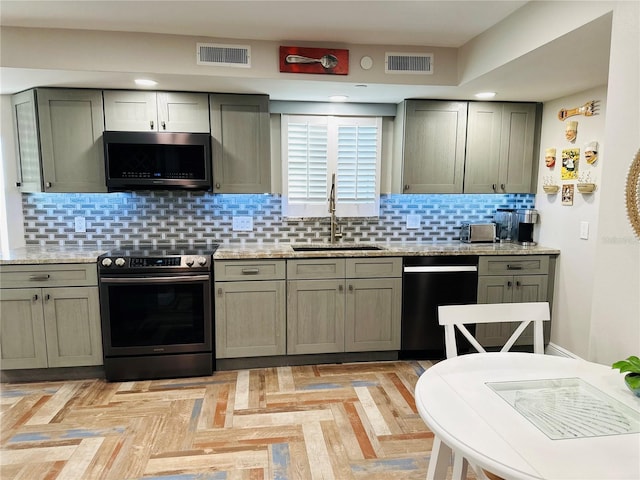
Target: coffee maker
{"type": "Point", "coordinates": [526, 219]}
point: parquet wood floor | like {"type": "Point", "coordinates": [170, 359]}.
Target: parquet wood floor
{"type": "Point", "coordinates": [349, 421]}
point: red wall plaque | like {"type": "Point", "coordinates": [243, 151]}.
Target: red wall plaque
{"type": "Point", "coordinates": [332, 61]}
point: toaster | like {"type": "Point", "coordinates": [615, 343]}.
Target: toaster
{"type": "Point", "coordinates": [478, 232]}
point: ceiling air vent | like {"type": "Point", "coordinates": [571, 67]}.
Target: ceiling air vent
{"type": "Point", "coordinates": [219, 55]}
{"type": "Point", "coordinates": [421, 63]}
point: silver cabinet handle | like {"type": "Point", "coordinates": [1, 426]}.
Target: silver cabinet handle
{"type": "Point", "coordinates": [47, 297]}
{"type": "Point", "coordinates": [351, 288]}
{"type": "Point", "coordinates": [341, 288]}
{"type": "Point", "coordinates": [47, 185]}
{"type": "Point", "coordinates": [151, 125]}
{"type": "Point", "coordinates": [494, 187]}
{"type": "Point", "coordinates": [250, 271]}
{"type": "Point", "coordinates": [509, 284]}
{"type": "Point", "coordinates": [514, 267]}
{"type": "Point", "coordinates": [34, 298]}
{"type": "Point", "coordinates": [502, 186]}
{"type": "Point", "coordinates": [164, 125]}
{"type": "Point", "coordinates": [39, 278]}
{"type": "Point", "coordinates": [406, 187]}
{"type": "Point", "coordinates": [220, 292]}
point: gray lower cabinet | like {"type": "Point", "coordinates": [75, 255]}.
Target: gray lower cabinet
{"type": "Point", "coordinates": [45, 325]}
{"type": "Point", "coordinates": [500, 147]}
{"type": "Point", "coordinates": [507, 279]}
{"type": "Point", "coordinates": [145, 111]}
{"type": "Point", "coordinates": [241, 143]}
{"type": "Point", "coordinates": [343, 305]}
{"type": "Point", "coordinates": [59, 140]}
{"type": "Point", "coordinates": [250, 311]}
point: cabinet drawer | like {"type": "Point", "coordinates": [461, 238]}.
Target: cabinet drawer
{"type": "Point", "coordinates": [516, 265]}
{"type": "Point", "coordinates": [374, 267]}
{"type": "Point", "coordinates": [249, 270]}
{"type": "Point", "coordinates": [316, 268]}
{"type": "Point", "coordinates": [57, 275]}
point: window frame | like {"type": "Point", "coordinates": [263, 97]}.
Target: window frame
{"type": "Point", "coordinates": [320, 209]}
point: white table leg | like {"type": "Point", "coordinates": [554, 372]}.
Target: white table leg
{"type": "Point", "coordinates": [440, 460]}
{"type": "Point", "coordinates": [460, 466]}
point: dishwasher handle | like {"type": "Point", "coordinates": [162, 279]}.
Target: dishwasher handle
{"type": "Point", "coordinates": [440, 268]}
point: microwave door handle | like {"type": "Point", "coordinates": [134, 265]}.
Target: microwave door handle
{"type": "Point", "coordinates": [138, 280]}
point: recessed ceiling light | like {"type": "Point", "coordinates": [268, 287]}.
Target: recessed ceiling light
{"type": "Point", "coordinates": [144, 82]}
{"type": "Point", "coordinates": [485, 95]}
{"type": "Point", "coordinates": [338, 98]}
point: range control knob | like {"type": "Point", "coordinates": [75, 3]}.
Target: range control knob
{"type": "Point", "coordinates": [189, 261]}
{"type": "Point", "coordinates": [106, 262]}
{"type": "Point", "coordinates": [120, 262]}
{"type": "Point", "coordinates": [202, 261]}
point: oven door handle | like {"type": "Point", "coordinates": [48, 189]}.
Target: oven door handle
{"type": "Point", "coordinates": [192, 278]}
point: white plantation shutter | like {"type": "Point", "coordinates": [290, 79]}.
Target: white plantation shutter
{"type": "Point", "coordinates": [316, 147]}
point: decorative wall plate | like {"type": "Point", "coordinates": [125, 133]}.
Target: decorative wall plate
{"type": "Point", "coordinates": [633, 194]}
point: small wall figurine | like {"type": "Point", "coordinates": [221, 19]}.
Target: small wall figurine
{"type": "Point", "coordinates": [550, 157]}
{"type": "Point", "coordinates": [591, 152]}
{"type": "Point", "coordinates": [571, 131]}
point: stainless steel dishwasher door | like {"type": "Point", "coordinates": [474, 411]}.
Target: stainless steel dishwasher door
{"type": "Point", "coordinates": [427, 283]}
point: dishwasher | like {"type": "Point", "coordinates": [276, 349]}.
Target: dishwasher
{"type": "Point", "coordinates": [428, 282]}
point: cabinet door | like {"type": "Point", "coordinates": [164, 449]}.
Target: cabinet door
{"type": "Point", "coordinates": [71, 127]}
{"type": "Point", "coordinates": [22, 336]}
{"type": "Point", "coordinates": [130, 111]}
{"type": "Point", "coordinates": [315, 316]}
{"type": "Point", "coordinates": [494, 289]}
{"type": "Point", "coordinates": [516, 150]}
{"type": "Point", "coordinates": [25, 129]}
{"type": "Point", "coordinates": [373, 314]}
{"type": "Point", "coordinates": [183, 112]}
{"type": "Point", "coordinates": [482, 164]}
{"type": "Point", "coordinates": [434, 146]}
{"type": "Point", "coordinates": [250, 319]}
{"type": "Point", "coordinates": [72, 324]}
{"type": "Point", "coordinates": [241, 143]}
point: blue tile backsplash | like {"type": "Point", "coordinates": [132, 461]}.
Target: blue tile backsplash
{"type": "Point", "coordinates": [150, 216]}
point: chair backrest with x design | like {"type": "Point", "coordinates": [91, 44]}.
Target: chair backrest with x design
{"type": "Point", "coordinates": [457, 316]}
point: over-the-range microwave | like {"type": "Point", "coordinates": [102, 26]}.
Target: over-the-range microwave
{"type": "Point", "coordinates": [157, 160]}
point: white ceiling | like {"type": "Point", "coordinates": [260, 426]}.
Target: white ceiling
{"type": "Point", "coordinates": [364, 22]}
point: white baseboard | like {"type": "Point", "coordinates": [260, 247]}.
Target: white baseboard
{"type": "Point", "coordinates": [558, 351]}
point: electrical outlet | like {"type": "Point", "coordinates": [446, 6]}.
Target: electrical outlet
{"type": "Point", "coordinates": [80, 225]}
{"type": "Point", "coordinates": [413, 221]}
{"type": "Point", "coordinates": [242, 224]}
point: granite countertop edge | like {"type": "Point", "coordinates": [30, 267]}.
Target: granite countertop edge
{"type": "Point", "coordinates": [33, 255]}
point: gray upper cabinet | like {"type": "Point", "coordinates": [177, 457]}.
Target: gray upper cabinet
{"type": "Point", "coordinates": [433, 142]}
{"type": "Point", "coordinates": [59, 140]}
{"type": "Point", "coordinates": [500, 147]}
{"type": "Point", "coordinates": [143, 111]}
{"type": "Point", "coordinates": [241, 143]}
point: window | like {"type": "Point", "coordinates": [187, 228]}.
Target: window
{"type": "Point", "coordinates": [315, 148]}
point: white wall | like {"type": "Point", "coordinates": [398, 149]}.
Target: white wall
{"type": "Point", "coordinates": [597, 291]}
{"type": "Point", "coordinates": [615, 313]}
{"type": "Point", "coordinates": [11, 221]}
{"type": "Point", "coordinates": [560, 224]}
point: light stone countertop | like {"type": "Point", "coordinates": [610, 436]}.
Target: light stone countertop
{"type": "Point", "coordinates": [34, 255]}
{"type": "Point", "coordinates": [409, 249]}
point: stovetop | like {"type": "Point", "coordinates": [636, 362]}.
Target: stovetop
{"type": "Point", "coordinates": [163, 250]}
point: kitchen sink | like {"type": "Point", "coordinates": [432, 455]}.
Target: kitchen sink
{"type": "Point", "coordinates": [324, 248]}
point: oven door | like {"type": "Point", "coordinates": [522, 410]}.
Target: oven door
{"type": "Point", "coordinates": [154, 315]}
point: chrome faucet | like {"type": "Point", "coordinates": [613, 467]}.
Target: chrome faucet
{"type": "Point", "coordinates": [335, 232]}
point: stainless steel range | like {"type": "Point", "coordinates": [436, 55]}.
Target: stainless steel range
{"type": "Point", "coordinates": [156, 309]}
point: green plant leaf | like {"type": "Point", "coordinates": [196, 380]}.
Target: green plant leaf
{"type": "Point", "coordinates": [633, 380]}
{"type": "Point", "coordinates": [631, 364]}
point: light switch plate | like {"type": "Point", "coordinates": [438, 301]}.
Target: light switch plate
{"type": "Point", "coordinates": [242, 224]}
{"type": "Point", "coordinates": [584, 230]}
{"type": "Point", "coordinates": [80, 224]}
{"type": "Point", "coordinates": [413, 221]}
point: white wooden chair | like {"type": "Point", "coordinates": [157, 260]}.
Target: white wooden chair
{"type": "Point", "coordinates": [457, 316]}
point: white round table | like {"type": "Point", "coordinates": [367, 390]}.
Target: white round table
{"type": "Point", "coordinates": [464, 401]}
